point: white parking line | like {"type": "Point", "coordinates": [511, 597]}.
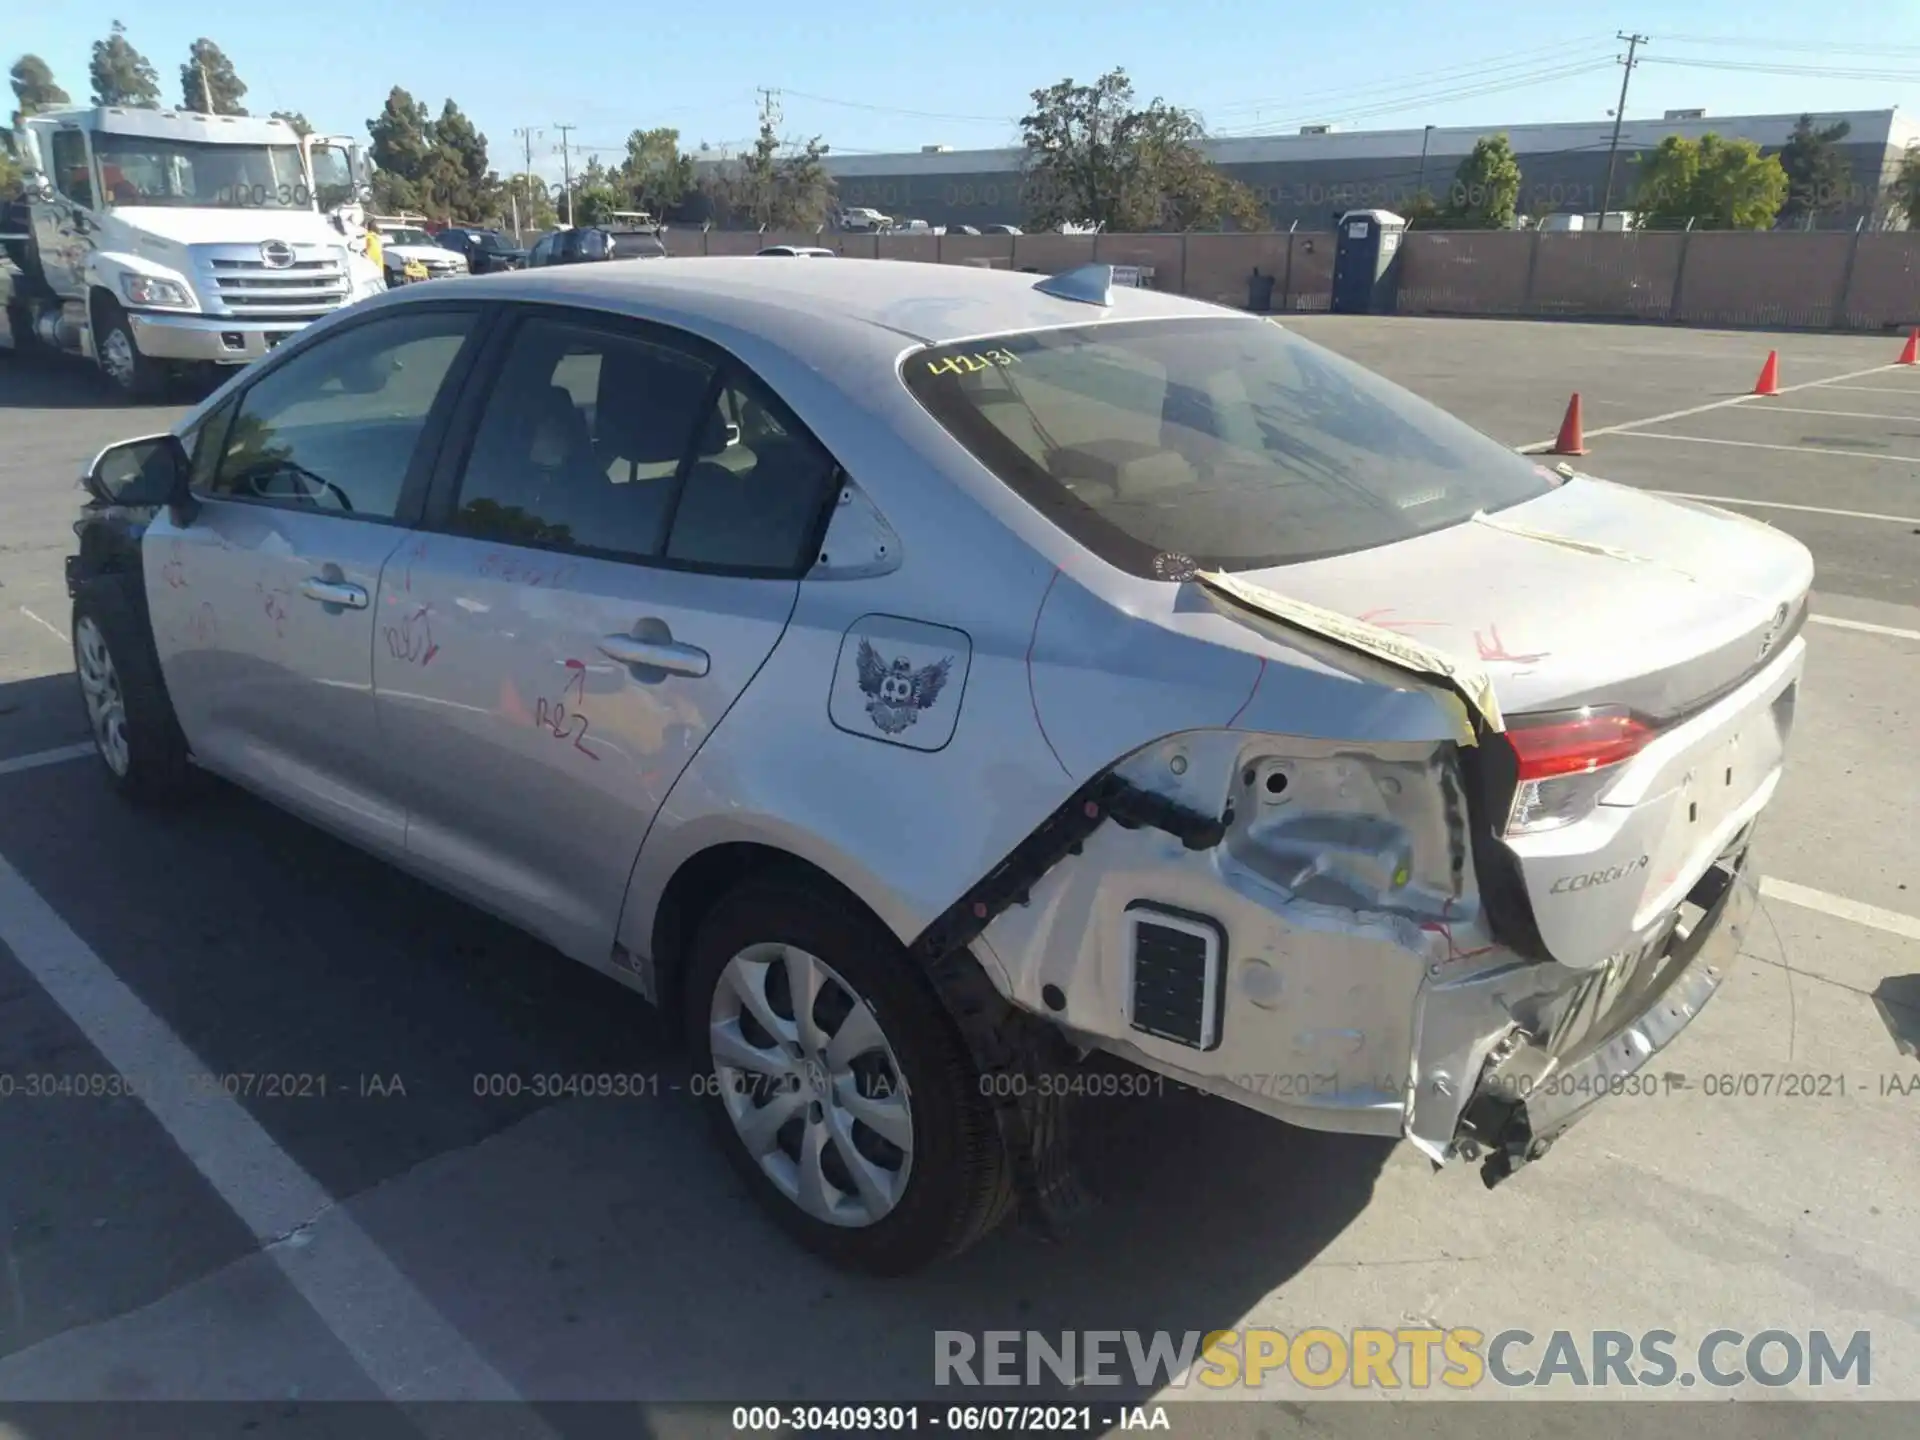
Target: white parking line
{"type": "Point", "coordinates": [1833, 380]}
{"type": "Point", "coordinates": [1783, 505]}
{"type": "Point", "coordinates": [1914, 391]}
{"type": "Point", "coordinates": [1840, 414]}
{"type": "Point", "coordinates": [405, 1346]}
{"type": "Point", "coordinates": [1762, 445]}
{"type": "Point", "coordinates": [48, 625]}
{"type": "Point", "coordinates": [1838, 906]}
{"type": "Point", "coordinates": [1870, 629]}
{"type": "Point", "coordinates": [34, 761]}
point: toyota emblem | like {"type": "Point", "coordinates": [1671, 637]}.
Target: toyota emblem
{"type": "Point", "coordinates": [276, 254]}
{"type": "Point", "coordinates": [1774, 628]}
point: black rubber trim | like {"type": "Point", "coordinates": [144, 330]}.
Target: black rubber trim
{"type": "Point", "coordinates": [1491, 772]}
{"type": "Point", "coordinates": [1063, 833]}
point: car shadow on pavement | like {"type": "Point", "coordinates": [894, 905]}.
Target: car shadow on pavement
{"type": "Point", "coordinates": [61, 382]}
{"type": "Point", "coordinates": [39, 714]}
{"type": "Point", "coordinates": [621, 1252]}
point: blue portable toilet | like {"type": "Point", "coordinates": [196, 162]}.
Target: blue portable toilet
{"type": "Point", "coordinates": [1366, 262]}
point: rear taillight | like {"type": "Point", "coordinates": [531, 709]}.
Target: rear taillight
{"type": "Point", "coordinates": [1565, 762]}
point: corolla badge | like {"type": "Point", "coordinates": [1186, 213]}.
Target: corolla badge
{"type": "Point", "coordinates": [1774, 627]}
{"type": "Point", "coordinates": [896, 692]}
{"type": "Point", "coordinates": [276, 254]}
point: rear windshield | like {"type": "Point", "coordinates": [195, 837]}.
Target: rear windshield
{"type": "Point", "coordinates": [1223, 444]}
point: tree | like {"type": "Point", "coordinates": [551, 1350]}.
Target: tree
{"type": "Point", "coordinates": [121, 75]}
{"type": "Point", "coordinates": [1716, 183]}
{"type": "Point", "coordinates": [1903, 194]}
{"type": "Point", "coordinates": [33, 88]}
{"type": "Point", "coordinates": [1422, 212]}
{"type": "Point", "coordinates": [456, 178]}
{"type": "Point", "coordinates": [594, 204]}
{"type": "Point", "coordinates": [529, 195]}
{"type": "Point", "coordinates": [208, 84]}
{"type": "Point", "coordinates": [402, 137]}
{"type": "Point", "coordinates": [783, 192]}
{"type": "Point", "coordinates": [301, 125]}
{"type": "Point", "coordinates": [1093, 158]}
{"type": "Point", "coordinates": [655, 176]}
{"type": "Point", "coordinates": [1818, 175]}
{"type": "Point", "coordinates": [1486, 188]}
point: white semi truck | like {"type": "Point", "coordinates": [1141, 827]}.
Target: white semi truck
{"type": "Point", "coordinates": [153, 240]}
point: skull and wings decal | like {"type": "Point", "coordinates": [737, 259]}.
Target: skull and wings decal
{"type": "Point", "coordinates": [896, 692]}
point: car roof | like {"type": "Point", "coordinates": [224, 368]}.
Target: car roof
{"type": "Point", "coordinates": [929, 303]}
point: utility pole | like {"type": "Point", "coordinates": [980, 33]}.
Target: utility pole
{"type": "Point", "coordinates": [206, 90]}
{"type": "Point", "coordinates": [769, 108]}
{"type": "Point", "coordinates": [1634, 42]}
{"type": "Point", "coordinates": [1420, 185]}
{"type": "Point", "coordinates": [527, 136]}
{"type": "Point", "coordinates": [566, 168]}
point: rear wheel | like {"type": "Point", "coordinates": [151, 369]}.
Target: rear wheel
{"type": "Point", "coordinates": [136, 376]}
{"type": "Point", "coordinates": [837, 1082]}
{"type": "Point", "coordinates": [134, 729]}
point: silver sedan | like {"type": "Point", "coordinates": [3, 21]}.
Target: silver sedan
{"type": "Point", "coordinates": [917, 679]}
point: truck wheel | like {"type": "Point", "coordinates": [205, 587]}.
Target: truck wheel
{"type": "Point", "coordinates": [134, 728]}
{"type": "Point", "coordinates": [837, 1082]}
{"type": "Point", "coordinates": [136, 376]}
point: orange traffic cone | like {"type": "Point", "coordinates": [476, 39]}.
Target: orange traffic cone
{"type": "Point", "coordinates": [1769, 381]}
{"type": "Point", "coordinates": [1910, 352]}
{"type": "Point", "coordinates": [1571, 441]}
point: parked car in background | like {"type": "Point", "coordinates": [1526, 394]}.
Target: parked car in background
{"type": "Point", "coordinates": [1033, 668]}
{"type": "Point", "coordinates": [585, 244]}
{"type": "Point", "coordinates": [861, 217]}
{"type": "Point", "coordinates": [407, 247]}
{"type": "Point", "coordinates": [486, 251]}
{"type": "Point", "coordinates": [810, 252]}
{"type": "Point", "coordinates": [961, 230]}
{"type": "Point", "coordinates": [1002, 230]}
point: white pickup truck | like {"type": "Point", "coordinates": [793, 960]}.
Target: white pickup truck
{"type": "Point", "coordinates": [151, 240]}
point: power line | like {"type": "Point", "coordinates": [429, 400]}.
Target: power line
{"type": "Point", "coordinates": [1822, 72]}
{"type": "Point", "coordinates": [1411, 100]}
{"type": "Point", "coordinates": [1634, 42]}
{"type": "Point", "coordinates": [1485, 69]}
{"type": "Point", "coordinates": [1833, 47]}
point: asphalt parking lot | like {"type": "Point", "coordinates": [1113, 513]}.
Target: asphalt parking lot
{"type": "Point", "coordinates": [389, 1231]}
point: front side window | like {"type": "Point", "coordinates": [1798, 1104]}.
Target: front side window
{"type": "Point", "coordinates": [1225, 444]}
{"type": "Point", "coordinates": [70, 174]}
{"type": "Point", "coordinates": [334, 429]}
{"type": "Point", "coordinates": [143, 170]}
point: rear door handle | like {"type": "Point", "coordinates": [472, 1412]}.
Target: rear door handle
{"type": "Point", "coordinates": [333, 592]}
{"type": "Point", "coordinates": [668, 655]}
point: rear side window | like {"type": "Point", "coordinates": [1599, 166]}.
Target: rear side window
{"type": "Point", "coordinates": [1223, 444]}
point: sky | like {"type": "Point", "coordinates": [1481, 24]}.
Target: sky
{"type": "Point", "coordinates": [866, 77]}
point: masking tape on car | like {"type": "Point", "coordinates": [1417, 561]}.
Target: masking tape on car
{"type": "Point", "coordinates": [1472, 683]}
{"type": "Point", "coordinates": [1567, 542]}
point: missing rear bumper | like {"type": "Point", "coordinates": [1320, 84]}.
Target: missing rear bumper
{"type": "Point", "coordinates": [1528, 1095]}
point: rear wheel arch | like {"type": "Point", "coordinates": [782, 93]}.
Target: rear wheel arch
{"type": "Point", "coordinates": [706, 877]}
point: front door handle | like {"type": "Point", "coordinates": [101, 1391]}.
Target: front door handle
{"type": "Point", "coordinates": [333, 592]}
{"type": "Point", "coordinates": [668, 655]}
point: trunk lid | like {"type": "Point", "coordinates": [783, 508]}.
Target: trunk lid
{"type": "Point", "coordinates": [1652, 603]}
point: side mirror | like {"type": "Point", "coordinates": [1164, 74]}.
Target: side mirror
{"type": "Point", "coordinates": [36, 186]}
{"type": "Point", "coordinates": [363, 193]}
{"type": "Point", "coordinates": [148, 472]}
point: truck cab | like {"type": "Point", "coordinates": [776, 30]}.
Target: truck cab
{"type": "Point", "coordinates": [156, 240]}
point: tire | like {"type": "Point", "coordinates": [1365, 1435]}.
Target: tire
{"type": "Point", "coordinates": [117, 353]}
{"type": "Point", "coordinates": [930, 1197]}
{"type": "Point", "coordinates": [135, 732]}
